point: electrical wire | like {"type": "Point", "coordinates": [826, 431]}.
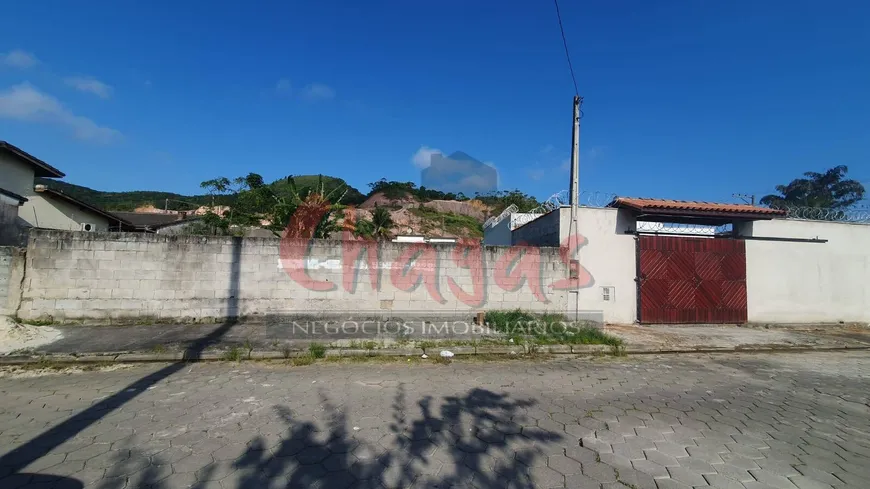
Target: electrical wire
{"type": "Point", "coordinates": [565, 43]}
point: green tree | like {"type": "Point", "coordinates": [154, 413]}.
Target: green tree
{"type": "Point", "coordinates": [364, 228]}
{"type": "Point", "coordinates": [829, 190]}
{"type": "Point", "coordinates": [256, 204]}
{"type": "Point", "coordinates": [499, 201]}
{"type": "Point", "coordinates": [382, 223]}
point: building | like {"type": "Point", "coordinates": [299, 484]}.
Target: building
{"type": "Point", "coordinates": [160, 223]}
{"type": "Point", "coordinates": [48, 208]}
{"type": "Point", "coordinates": [10, 227]}
{"type": "Point", "coordinates": [17, 172]}
{"type": "Point", "coordinates": [498, 230]}
{"type": "Point", "coordinates": [40, 206]}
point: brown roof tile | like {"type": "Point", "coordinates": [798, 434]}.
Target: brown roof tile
{"type": "Point", "coordinates": [692, 206]}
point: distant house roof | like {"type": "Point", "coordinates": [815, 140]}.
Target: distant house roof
{"type": "Point", "coordinates": [13, 195]}
{"type": "Point", "coordinates": [42, 169]}
{"type": "Point", "coordinates": [148, 221]}
{"type": "Point", "coordinates": [42, 189]}
{"type": "Point", "coordinates": [148, 218]}
{"type": "Point", "coordinates": [664, 207]}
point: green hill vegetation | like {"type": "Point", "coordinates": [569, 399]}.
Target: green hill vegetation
{"type": "Point", "coordinates": [128, 201]}
{"type": "Point", "coordinates": [254, 200]}
{"type": "Point", "coordinates": [456, 224]}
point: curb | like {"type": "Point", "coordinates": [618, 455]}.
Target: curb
{"type": "Point", "coordinates": [213, 356]}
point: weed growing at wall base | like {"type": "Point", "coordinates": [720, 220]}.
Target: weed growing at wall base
{"type": "Point", "coordinates": [317, 350]}
{"type": "Point", "coordinates": [547, 329]}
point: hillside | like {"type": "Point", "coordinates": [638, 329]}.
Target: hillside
{"type": "Point", "coordinates": [129, 201]}
{"type": "Point", "coordinates": [414, 210]}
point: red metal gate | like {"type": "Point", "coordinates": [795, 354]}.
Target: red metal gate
{"type": "Point", "coordinates": [691, 280]}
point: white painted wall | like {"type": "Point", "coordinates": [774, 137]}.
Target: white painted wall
{"type": "Point", "coordinates": [808, 282]}
{"type": "Point", "coordinates": [45, 211]}
{"type": "Point", "coordinates": [15, 176]}
{"type": "Point", "coordinates": [610, 257]}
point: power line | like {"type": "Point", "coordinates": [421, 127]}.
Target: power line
{"type": "Point", "coordinates": [565, 43]}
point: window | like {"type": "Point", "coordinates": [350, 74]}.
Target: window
{"type": "Point", "coordinates": [608, 294]}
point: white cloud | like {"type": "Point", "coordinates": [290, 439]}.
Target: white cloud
{"type": "Point", "coordinates": [317, 91]}
{"type": "Point", "coordinates": [423, 157]}
{"type": "Point", "coordinates": [18, 59]}
{"type": "Point", "coordinates": [283, 86]}
{"type": "Point", "coordinates": [26, 103]}
{"type": "Point", "coordinates": [89, 85]}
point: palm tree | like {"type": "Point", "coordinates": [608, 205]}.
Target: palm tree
{"type": "Point", "coordinates": [382, 223]}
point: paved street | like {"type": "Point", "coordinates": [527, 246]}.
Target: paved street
{"type": "Point", "coordinates": [727, 421]}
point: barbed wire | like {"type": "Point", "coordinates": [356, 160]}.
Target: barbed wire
{"type": "Point", "coordinates": [856, 215]}
{"type": "Point", "coordinates": [586, 198]}
{"type": "Point", "coordinates": [492, 221]}
{"type": "Point", "coordinates": [683, 228]}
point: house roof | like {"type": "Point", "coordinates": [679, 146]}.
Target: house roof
{"type": "Point", "coordinates": [42, 169]}
{"type": "Point", "coordinates": [42, 189]}
{"type": "Point", "coordinates": [693, 208]}
{"type": "Point", "coordinates": [13, 195]}
{"type": "Point", "coordinates": [148, 220]}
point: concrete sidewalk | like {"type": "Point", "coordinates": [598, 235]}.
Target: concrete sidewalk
{"type": "Point", "coordinates": [275, 340]}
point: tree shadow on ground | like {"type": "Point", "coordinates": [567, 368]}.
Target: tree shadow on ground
{"type": "Point", "coordinates": [19, 458]}
{"type": "Point", "coordinates": [475, 440]}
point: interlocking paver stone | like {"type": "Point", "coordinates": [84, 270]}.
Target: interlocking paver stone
{"type": "Point", "coordinates": [719, 481]}
{"type": "Point", "coordinates": [795, 422]}
{"type": "Point", "coordinates": [804, 482]}
{"type": "Point", "coordinates": [651, 468]}
{"type": "Point", "coordinates": [580, 481]}
{"type": "Point", "coordinates": [671, 484]}
{"type": "Point", "coordinates": [815, 473]}
{"type": "Point", "coordinates": [771, 479]}
{"type": "Point", "coordinates": [687, 476]}
{"type": "Point", "coordinates": [599, 471]}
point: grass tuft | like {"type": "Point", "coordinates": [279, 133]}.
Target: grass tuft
{"type": "Point", "coordinates": [302, 360]}
{"type": "Point", "coordinates": [234, 354]}
{"type": "Point", "coordinates": [317, 350]}
{"type": "Point", "coordinates": [547, 329]}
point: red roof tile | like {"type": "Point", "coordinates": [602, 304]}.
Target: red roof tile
{"type": "Point", "coordinates": [658, 205]}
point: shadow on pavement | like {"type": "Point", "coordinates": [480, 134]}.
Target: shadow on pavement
{"type": "Point", "coordinates": [476, 437]}
{"type": "Point", "coordinates": [24, 455]}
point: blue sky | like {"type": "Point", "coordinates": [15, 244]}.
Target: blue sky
{"type": "Point", "coordinates": [690, 100]}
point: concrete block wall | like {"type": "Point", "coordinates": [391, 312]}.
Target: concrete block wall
{"type": "Point", "coordinates": [5, 273]}
{"type": "Point", "coordinates": [11, 272]}
{"type": "Point", "coordinates": [127, 277]}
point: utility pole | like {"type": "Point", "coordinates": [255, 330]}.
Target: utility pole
{"type": "Point", "coordinates": [749, 199]}
{"type": "Point", "coordinates": [574, 194]}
